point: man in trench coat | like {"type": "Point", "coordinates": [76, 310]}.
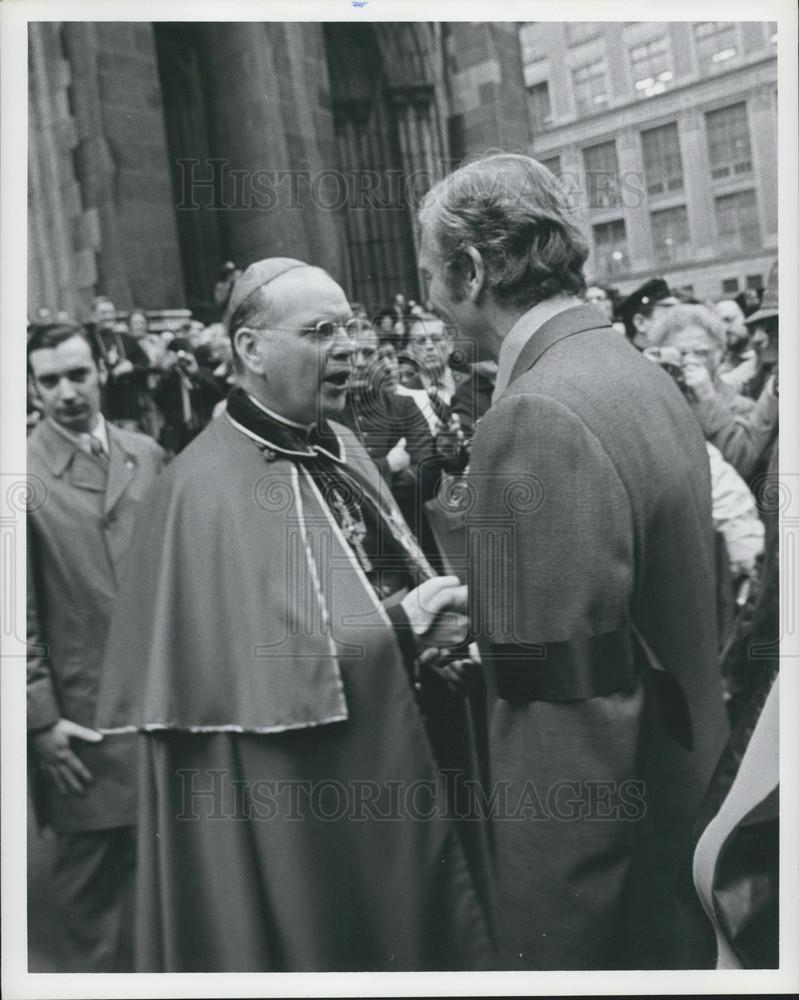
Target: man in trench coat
{"type": "Point", "coordinates": [87, 480]}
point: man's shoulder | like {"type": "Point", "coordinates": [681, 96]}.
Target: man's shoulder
{"type": "Point", "coordinates": [135, 442]}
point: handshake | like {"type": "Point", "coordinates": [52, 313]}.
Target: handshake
{"type": "Point", "coordinates": [436, 611]}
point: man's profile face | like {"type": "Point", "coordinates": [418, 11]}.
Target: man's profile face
{"type": "Point", "coordinates": [306, 372]}
{"type": "Point", "coordinates": [765, 340]}
{"type": "Point", "coordinates": [731, 315]}
{"type": "Point", "coordinates": [373, 365]}
{"type": "Point", "coordinates": [67, 384]}
{"type": "Point", "coordinates": [645, 324]}
{"type": "Point", "coordinates": [430, 345]}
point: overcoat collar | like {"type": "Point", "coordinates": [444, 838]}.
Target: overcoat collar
{"type": "Point", "coordinates": [63, 455]}
{"type": "Point", "coordinates": [577, 319]}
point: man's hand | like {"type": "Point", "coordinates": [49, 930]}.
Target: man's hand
{"type": "Point", "coordinates": [123, 368]}
{"type": "Point", "coordinates": [64, 768]}
{"type": "Point", "coordinates": [460, 671]}
{"type": "Point", "coordinates": [436, 609]}
{"type": "Point", "coordinates": [698, 380]}
{"type": "Point", "coordinates": [398, 458]}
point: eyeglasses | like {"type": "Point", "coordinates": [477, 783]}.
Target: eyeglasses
{"type": "Point", "coordinates": [324, 330]}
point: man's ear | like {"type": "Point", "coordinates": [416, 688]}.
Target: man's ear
{"type": "Point", "coordinates": [33, 389]}
{"type": "Point", "coordinates": [245, 347]}
{"type": "Point", "coordinates": [475, 274]}
{"type": "Point", "coordinates": [640, 322]}
{"type": "Point", "coordinates": [102, 372]}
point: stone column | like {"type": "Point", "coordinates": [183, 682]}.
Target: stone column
{"type": "Point", "coordinates": [489, 103]}
{"type": "Point", "coordinates": [696, 171]}
{"type": "Point", "coordinates": [763, 123]}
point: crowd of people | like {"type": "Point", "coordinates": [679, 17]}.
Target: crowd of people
{"type": "Point", "coordinates": [388, 638]}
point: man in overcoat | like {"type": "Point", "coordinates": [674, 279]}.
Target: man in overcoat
{"type": "Point", "coordinates": [88, 478]}
{"type": "Point", "coordinates": [591, 579]}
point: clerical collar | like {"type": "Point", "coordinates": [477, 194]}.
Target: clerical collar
{"type": "Point", "coordinates": [279, 434]}
{"type": "Point", "coordinates": [278, 416]}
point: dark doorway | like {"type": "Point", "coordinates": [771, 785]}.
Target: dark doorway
{"type": "Point", "coordinates": [181, 72]}
{"type": "Point", "coordinates": [379, 233]}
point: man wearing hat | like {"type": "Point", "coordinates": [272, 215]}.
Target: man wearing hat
{"type": "Point", "coordinates": [744, 435]}
{"type": "Point", "coordinates": [640, 310]}
{"type": "Point", "coordinates": [278, 609]}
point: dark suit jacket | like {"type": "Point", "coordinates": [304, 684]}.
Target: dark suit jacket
{"type": "Point", "coordinates": [79, 529]}
{"type": "Point", "coordinates": [592, 514]}
{"type": "Point", "coordinates": [379, 420]}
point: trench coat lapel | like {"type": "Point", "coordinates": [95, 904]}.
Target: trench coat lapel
{"type": "Point", "coordinates": [577, 319]}
{"type": "Point", "coordinates": [66, 458]}
{"type": "Point", "coordinates": [121, 470]}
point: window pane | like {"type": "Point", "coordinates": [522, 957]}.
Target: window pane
{"type": "Point", "coordinates": [754, 281]}
{"type": "Point", "coordinates": [590, 87]}
{"type": "Point", "coordinates": [671, 235]}
{"type": "Point", "coordinates": [552, 164]}
{"type": "Point", "coordinates": [716, 45]}
{"type": "Point", "coordinates": [738, 225]}
{"type": "Point", "coordinates": [662, 159]}
{"type": "Point", "coordinates": [540, 109]}
{"type": "Point", "coordinates": [652, 67]}
{"type": "Point", "coordinates": [610, 248]}
{"type": "Point", "coordinates": [602, 175]}
{"type": "Point", "coordinates": [581, 31]}
{"type": "Point", "coordinates": [728, 143]}
{"type": "Point", "coordinates": [729, 286]}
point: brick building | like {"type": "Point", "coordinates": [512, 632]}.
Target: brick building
{"type": "Point", "coordinates": [667, 135]}
{"type": "Point", "coordinates": [159, 150]}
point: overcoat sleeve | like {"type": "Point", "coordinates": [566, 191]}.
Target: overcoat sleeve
{"type": "Point", "coordinates": [741, 438]}
{"type": "Point", "coordinates": [43, 710]}
{"type": "Point", "coordinates": [552, 553]}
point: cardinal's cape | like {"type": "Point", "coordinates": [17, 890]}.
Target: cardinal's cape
{"type": "Point", "coordinates": [291, 813]}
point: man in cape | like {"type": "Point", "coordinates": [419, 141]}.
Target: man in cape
{"type": "Point", "coordinates": [291, 814]}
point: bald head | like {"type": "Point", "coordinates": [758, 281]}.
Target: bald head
{"type": "Point", "coordinates": [289, 344]}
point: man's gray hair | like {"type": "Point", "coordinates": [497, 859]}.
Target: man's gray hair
{"type": "Point", "coordinates": [514, 212]}
{"type": "Point", "coordinates": [677, 318]}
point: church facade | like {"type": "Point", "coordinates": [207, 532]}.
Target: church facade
{"type": "Point", "coordinates": [159, 150]}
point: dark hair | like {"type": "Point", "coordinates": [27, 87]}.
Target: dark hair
{"type": "Point", "coordinates": [513, 211]}
{"type": "Point", "coordinates": [49, 335]}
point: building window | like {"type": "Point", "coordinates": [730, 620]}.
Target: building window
{"type": "Point", "coordinates": [540, 108]}
{"type": "Point", "coordinates": [590, 87]}
{"type": "Point", "coordinates": [716, 45]}
{"type": "Point", "coordinates": [610, 248]}
{"type": "Point", "coordinates": [578, 32]}
{"type": "Point", "coordinates": [728, 142]}
{"type": "Point", "coordinates": [552, 163]}
{"type": "Point", "coordinates": [652, 67]}
{"type": "Point", "coordinates": [754, 281]}
{"type": "Point", "coordinates": [662, 159]}
{"type": "Point", "coordinates": [729, 286]}
{"type": "Point", "coordinates": [738, 225]}
{"type": "Point", "coordinates": [602, 175]}
{"type": "Point", "coordinates": [670, 234]}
